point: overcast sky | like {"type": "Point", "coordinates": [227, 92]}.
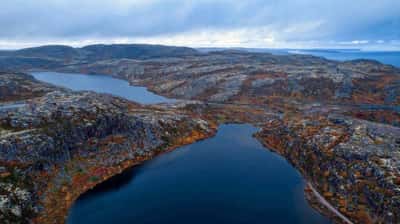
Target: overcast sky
{"type": "Point", "coordinates": [367, 24]}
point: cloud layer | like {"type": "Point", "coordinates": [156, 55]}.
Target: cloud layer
{"type": "Point", "coordinates": [252, 23]}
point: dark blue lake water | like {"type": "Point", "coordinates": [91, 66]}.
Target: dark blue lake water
{"type": "Point", "coordinates": [230, 178]}
{"type": "Point", "coordinates": [101, 84]}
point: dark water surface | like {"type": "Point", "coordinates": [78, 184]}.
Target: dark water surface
{"type": "Point", "coordinates": [230, 178]}
{"type": "Point", "coordinates": [101, 84]}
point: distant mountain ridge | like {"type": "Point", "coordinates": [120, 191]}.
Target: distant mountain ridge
{"type": "Point", "coordinates": [56, 55]}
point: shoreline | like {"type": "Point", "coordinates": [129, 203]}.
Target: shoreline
{"type": "Point", "coordinates": [314, 199]}
{"type": "Point", "coordinates": [57, 204]}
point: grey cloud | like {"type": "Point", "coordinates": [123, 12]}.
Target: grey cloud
{"type": "Point", "coordinates": [340, 20]}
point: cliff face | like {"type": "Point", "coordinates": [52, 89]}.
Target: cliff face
{"type": "Point", "coordinates": [58, 145]}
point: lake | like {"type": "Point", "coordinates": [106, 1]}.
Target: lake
{"type": "Point", "coordinates": [102, 84]}
{"type": "Point", "coordinates": [230, 178]}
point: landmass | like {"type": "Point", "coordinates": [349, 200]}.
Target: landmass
{"type": "Point", "coordinates": [338, 123]}
{"type": "Point", "coordinates": [61, 143]}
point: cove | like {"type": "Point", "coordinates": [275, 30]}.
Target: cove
{"type": "Point", "coordinates": [101, 84]}
{"type": "Point", "coordinates": [230, 178]}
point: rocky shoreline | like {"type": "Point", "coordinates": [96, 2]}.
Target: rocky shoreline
{"type": "Point", "coordinates": [360, 183]}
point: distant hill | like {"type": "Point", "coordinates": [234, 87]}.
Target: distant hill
{"type": "Point", "coordinates": [135, 51]}
{"type": "Point", "coordinates": [54, 55]}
